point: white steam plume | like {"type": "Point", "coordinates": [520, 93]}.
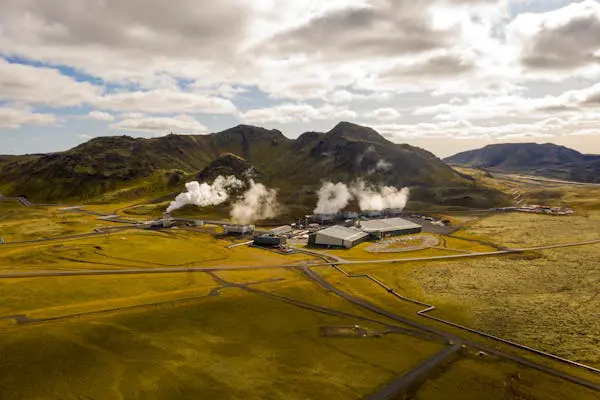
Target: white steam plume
{"type": "Point", "coordinates": [332, 198]}
{"type": "Point", "coordinates": [203, 194]}
{"type": "Point", "coordinates": [383, 198]}
{"type": "Point", "coordinates": [383, 165]}
{"type": "Point", "coordinates": [257, 203]}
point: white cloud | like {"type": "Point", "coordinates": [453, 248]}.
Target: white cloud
{"type": "Point", "coordinates": [84, 136]}
{"type": "Point", "coordinates": [459, 65]}
{"type": "Point", "coordinates": [383, 114]}
{"type": "Point", "coordinates": [12, 117]}
{"type": "Point", "coordinates": [559, 41]}
{"type": "Point", "coordinates": [42, 86]}
{"type": "Point", "coordinates": [163, 101]}
{"type": "Point", "coordinates": [289, 113]}
{"type": "Point", "coordinates": [101, 116]}
{"type": "Point", "coordinates": [491, 107]}
{"type": "Point", "coordinates": [179, 124]}
{"type": "Point", "coordinates": [584, 124]}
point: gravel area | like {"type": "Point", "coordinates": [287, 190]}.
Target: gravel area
{"type": "Point", "coordinates": [404, 243]}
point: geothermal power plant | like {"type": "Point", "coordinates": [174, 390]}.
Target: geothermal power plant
{"type": "Point", "coordinates": [333, 223]}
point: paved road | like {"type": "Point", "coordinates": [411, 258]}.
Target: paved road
{"type": "Point", "coordinates": [513, 177]}
{"type": "Point", "coordinates": [421, 371]}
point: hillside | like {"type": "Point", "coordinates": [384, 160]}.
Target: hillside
{"type": "Point", "coordinates": [228, 164]}
{"type": "Point", "coordinates": [295, 167]}
{"type": "Point", "coordinates": [548, 160]}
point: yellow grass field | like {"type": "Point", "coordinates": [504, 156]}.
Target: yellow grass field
{"type": "Point", "coordinates": [235, 345]}
{"type": "Point", "coordinates": [137, 249]}
{"type": "Point", "coordinates": [199, 335]}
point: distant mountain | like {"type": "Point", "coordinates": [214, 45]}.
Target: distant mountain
{"type": "Point", "coordinates": [547, 160]}
{"type": "Point", "coordinates": [295, 167]}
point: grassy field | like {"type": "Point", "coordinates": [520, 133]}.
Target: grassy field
{"type": "Point", "coordinates": [172, 336]}
{"type": "Point", "coordinates": [137, 249]}
{"type": "Point", "coordinates": [237, 345]}
{"type": "Point", "coordinates": [26, 223]}
{"type": "Point", "coordinates": [522, 229]}
{"type": "Point", "coordinates": [476, 378]}
{"type": "Point", "coordinates": [58, 296]}
{"type": "Point", "coordinates": [547, 299]}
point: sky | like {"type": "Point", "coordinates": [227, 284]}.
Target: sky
{"type": "Point", "coordinates": [446, 75]}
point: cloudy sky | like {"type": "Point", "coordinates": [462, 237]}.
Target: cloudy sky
{"type": "Point", "coordinates": [446, 75]}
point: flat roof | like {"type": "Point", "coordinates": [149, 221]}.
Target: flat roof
{"type": "Point", "coordinates": [387, 224]}
{"type": "Point", "coordinates": [343, 233]}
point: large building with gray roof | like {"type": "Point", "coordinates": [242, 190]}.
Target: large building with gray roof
{"type": "Point", "coordinates": [338, 236]}
{"type": "Point", "coordinates": [382, 228]}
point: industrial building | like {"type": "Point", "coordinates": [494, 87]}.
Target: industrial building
{"type": "Point", "coordinates": [281, 230]}
{"type": "Point", "coordinates": [275, 237]}
{"type": "Point", "coordinates": [165, 222]}
{"type": "Point", "coordinates": [269, 240]}
{"type": "Point", "coordinates": [372, 213]}
{"type": "Point", "coordinates": [238, 229]}
{"type": "Point", "coordinates": [338, 236]}
{"type": "Point", "coordinates": [382, 228]}
{"type": "Point", "coordinates": [323, 219]}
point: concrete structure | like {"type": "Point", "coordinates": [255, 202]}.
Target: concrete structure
{"type": "Point", "coordinates": [167, 220]}
{"type": "Point", "coordinates": [238, 229]}
{"type": "Point", "coordinates": [392, 212]}
{"type": "Point", "coordinates": [348, 331]}
{"type": "Point", "coordinates": [372, 213]}
{"type": "Point", "coordinates": [381, 228]}
{"type": "Point", "coordinates": [323, 218]}
{"type": "Point", "coordinates": [281, 230]}
{"type": "Point", "coordinates": [338, 236]}
{"type": "Point", "coordinates": [350, 214]}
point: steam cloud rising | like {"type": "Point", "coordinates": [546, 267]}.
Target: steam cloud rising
{"type": "Point", "coordinates": [257, 203]}
{"type": "Point", "coordinates": [370, 198]}
{"type": "Point", "coordinates": [334, 197]}
{"type": "Point", "coordinates": [203, 194]}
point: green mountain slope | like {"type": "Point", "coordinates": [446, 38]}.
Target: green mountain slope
{"type": "Point", "coordinates": [295, 167]}
{"type": "Point", "coordinates": [548, 160]}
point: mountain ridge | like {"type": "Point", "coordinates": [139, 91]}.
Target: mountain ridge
{"type": "Point", "coordinates": [296, 167]}
{"type": "Point", "coordinates": [547, 159]}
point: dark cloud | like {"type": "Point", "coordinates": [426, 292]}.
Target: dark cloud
{"type": "Point", "coordinates": [390, 28]}
{"type": "Point", "coordinates": [571, 45]}
{"type": "Point", "coordinates": [593, 99]}
{"type": "Point", "coordinates": [182, 27]}
{"type": "Point", "coordinates": [441, 66]}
